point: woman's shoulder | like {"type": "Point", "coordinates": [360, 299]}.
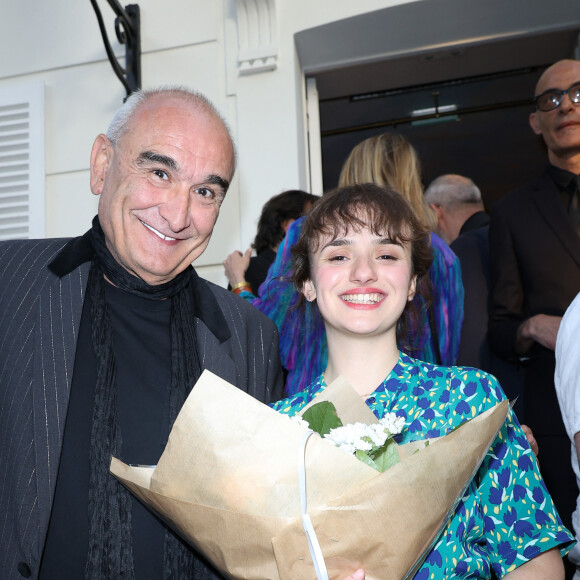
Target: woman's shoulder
{"type": "Point", "coordinates": [466, 382]}
{"type": "Point", "coordinates": [293, 404]}
{"type": "Point", "coordinates": [451, 371]}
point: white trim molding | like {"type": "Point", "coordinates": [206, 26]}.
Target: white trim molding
{"type": "Point", "coordinates": [257, 43]}
{"type": "Point", "coordinates": [314, 137]}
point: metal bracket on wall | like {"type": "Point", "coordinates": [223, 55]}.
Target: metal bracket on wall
{"type": "Point", "coordinates": [128, 31]}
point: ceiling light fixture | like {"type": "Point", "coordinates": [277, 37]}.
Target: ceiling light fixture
{"type": "Point", "coordinates": [436, 114]}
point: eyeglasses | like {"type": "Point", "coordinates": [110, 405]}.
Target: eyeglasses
{"type": "Point", "coordinates": [552, 98]}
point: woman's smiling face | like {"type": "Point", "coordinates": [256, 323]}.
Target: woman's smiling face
{"type": "Point", "coordinates": [361, 282]}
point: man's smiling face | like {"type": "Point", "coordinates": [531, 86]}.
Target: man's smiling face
{"type": "Point", "coordinates": [161, 186]}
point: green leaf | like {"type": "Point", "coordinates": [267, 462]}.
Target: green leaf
{"type": "Point", "coordinates": [387, 456]}
{"type": "Point", "coordinates": [363, 456]}
{"type": "Point", "coordinates": [322, 417]}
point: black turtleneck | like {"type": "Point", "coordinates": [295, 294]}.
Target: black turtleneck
{"type": "Point", "coordinates": [141, 344]}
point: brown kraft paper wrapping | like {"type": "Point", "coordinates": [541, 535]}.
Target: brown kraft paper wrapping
{"type": "Point", "coordinates": [228, 483]}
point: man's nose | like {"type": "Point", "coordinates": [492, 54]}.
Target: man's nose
{"type": "Point", "coordinates": [176, 209]}
{"type": "Point", "coordinates": [566, 103]}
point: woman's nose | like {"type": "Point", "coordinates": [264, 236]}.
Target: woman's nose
{"type": "Point", "coordinates": [364, 270]}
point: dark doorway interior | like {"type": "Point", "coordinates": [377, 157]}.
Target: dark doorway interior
{"type": "Point", "coordinates": [487, 137]}
{"type": "Point", "coordinates": [373, 70]}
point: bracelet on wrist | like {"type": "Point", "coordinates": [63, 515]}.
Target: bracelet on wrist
{"type": "Point", "coordinates": [239, 285]}
{"type": "Point", "coordinates": [243, 288]}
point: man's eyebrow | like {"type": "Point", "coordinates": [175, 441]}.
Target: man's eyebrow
{"type": "Point", "coordinates": [152, 157]}
{"type": "Point", "coordinates": [557, 89]}
{"type": "Point", "coordinates": [217, 180]}
{"type": "Point", "coordinates": [169, 162]}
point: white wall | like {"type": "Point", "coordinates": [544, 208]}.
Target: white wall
{"type": "Point", "coordinates": [191, 42]}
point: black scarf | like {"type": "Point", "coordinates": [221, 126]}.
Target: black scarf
{"type": "Point", "coordinates": [110, 540]}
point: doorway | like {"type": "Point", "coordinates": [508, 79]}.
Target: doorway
{"type": "Point", "coordinates": [455, 77]}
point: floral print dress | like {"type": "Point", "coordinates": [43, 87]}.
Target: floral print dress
{"type": "Point", "coordinates": [506, 516]}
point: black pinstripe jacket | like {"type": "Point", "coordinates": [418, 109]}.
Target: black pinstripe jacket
{"type": "Point", "coordinates": [39, 320]}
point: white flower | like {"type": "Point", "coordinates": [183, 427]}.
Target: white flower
{"type": "Point", "coordinates": [378, 434]}
{"type": "Point", "coordinates": [373, 444]}
{"type": "Point", "coordinates": [360, 437]}
{"type": "Point", "coordinates": [351, 438]}
{"type": "Point", "coordinates": [393, 423]}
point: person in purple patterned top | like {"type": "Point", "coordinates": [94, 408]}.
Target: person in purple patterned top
{"type": "Point", "coordinates": [361, 258]}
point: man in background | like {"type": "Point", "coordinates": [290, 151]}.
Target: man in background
{"type": "Point", "coordinates": [464, 225]}
{"type": "Point", "coordinates": [457, 202]}
{"type": "Point", "coordinates": [535, 271]}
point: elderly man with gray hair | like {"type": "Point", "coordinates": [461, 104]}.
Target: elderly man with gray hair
{"type": "Point", "coordinates": [103, 337]}
{"type": "Point", "coordinates": [463, 223]}
{"type": "Point", "coordinates": [457, 202]}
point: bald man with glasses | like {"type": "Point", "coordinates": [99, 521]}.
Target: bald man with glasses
{"type": "Point", "coordinates": [535, 271]}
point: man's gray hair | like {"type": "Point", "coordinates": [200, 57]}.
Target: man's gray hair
{"type": "Point", "coordinates": [120, 122]}
{"type": "Point", "coordinates": [452, 190]}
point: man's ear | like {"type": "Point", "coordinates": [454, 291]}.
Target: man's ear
{"type": "Point", "coordinates": [437, 210]}
{"type": "Point", "coordinates": [309, 291]}
{"type": "Point", "coordinates": [440, 215]}
{"type": "Point", "coordinates": [101, 157]}
{"type": "Point", "coordinates": [412, 288]}
{"type": "Point", "coordinates": [534, 123]}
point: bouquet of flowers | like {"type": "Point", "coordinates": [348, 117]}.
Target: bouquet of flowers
{"type": "Point", "coordinates": [371, 443]}
{"type": "Point", "coordinates": [229, 482]}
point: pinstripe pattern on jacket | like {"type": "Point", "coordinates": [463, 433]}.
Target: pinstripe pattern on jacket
{"type": "Point", "coordinates": [39, 319]}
